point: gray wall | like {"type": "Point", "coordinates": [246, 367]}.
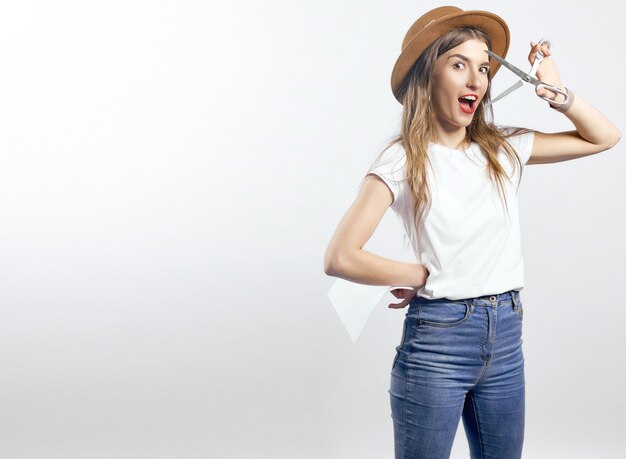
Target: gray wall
{"type": "Point", "coordinates": [170, 175]}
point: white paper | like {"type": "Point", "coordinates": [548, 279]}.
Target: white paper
{"type": "Point", "coordinates": [355, 303]}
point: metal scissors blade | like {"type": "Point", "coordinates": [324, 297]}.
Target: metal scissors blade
{"type": "Point", "coordinates": [533, 71]}
{"type": "Point", "coordinates": [525, 77]}
{"type": "Point", "coordinates": [516, 86]}
{"type": "Point", "coordinates": [520, 73]}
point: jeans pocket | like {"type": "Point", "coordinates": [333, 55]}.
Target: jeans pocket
{"type": "Point", "coordinates": [444, 314]}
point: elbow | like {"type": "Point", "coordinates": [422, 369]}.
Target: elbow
{"type": "Point", "coordinates": [614, 139]}
{"type": "Point", "coordinates": [610, 141]}
{"type": "Point", "coordinates": [618, 137]}
{"type": "Point", "coordinates": [330, 264]}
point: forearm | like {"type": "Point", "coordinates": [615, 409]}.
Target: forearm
{"type": "Point", "coordinates": [364, 267]}
{"type": "Point", "coordinates": [590, 124]}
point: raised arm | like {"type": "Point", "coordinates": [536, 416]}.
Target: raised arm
{"type": "Point", "coordinates": [345, 256]}
{"type": "Point", "coordinates": [594, 132]}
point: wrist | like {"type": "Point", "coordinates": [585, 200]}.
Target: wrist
{"type": "Point", "coordinates": [422, 275]}
{"type": "Point", "coordinates": [563, 107]}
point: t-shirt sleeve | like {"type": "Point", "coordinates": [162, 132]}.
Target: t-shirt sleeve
{"type": "Point", "coordinates": [522, 143]}
{"type": "Point", "coordinates": [390, 168]}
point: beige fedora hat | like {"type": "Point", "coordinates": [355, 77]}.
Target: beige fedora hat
{"type": "Point", "coordinates": [437, 22]}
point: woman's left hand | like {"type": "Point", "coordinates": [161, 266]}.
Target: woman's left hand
{"type": "Point", "coordinates": [546, 72]}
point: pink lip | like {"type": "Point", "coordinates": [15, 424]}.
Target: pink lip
{"type": "Point", "coordinates": [469, 111]}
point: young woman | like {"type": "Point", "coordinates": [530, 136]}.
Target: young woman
{"type": "Point", "coordinates": [452, 176]}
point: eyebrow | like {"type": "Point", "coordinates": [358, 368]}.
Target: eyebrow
{"type": "Point", "coordinates": [465, 58]}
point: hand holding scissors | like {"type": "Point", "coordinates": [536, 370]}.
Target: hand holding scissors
{"type": "Point", "coordinates": [531, 78]}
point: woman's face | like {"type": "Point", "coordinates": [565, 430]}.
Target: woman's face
{"type": "Point", "coordinates": [461, 71]}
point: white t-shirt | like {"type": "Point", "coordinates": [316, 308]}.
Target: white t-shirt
{"type": "Point", "coordinates": [466, 240]}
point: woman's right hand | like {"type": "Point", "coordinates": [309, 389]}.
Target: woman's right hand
{"type": "Point", "coordinates": [406, 294]}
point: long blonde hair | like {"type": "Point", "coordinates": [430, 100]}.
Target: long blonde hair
{"type": "Point", "coordinates": [418, 129]}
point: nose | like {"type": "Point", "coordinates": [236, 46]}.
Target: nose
{"type": "Point", "coordinates": [474, 80]}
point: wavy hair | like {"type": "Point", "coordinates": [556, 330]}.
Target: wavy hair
{"type": "Point", "coordinates": [417, 127]}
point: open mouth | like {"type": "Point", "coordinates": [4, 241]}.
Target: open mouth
{"type": "Point", "coordinates": [467, 104]}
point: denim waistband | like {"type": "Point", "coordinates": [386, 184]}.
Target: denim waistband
{"type": "Point", "coordinates": [511, 296]}
{"type": "Point", "coordinates": [500, 299]}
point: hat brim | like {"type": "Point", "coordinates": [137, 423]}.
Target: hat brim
{"type": "Point", "coordinates": [492, 24]}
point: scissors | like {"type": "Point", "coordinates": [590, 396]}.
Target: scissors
{"type": "Point", "coordinates": [529, 77]}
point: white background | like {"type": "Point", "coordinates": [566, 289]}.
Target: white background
{"type": "Point", "coordinates": [170, 175]}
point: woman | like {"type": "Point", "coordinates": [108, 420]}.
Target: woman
{"type": "Point", "coordinates": [452, 177]}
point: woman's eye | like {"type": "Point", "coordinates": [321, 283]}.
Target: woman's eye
{"type": "Point", "coordinates": [483, 69]}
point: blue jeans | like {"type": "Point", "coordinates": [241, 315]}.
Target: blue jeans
{"type": "Point", "coordinates": [459, 359]}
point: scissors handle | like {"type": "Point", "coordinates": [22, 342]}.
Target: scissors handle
{"type": "Point", "coordinates": [555, 90]}
{"type": "Point", "coordinates": [543, 41]}
{"type": "Point", "coordinates": [539, 56]}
